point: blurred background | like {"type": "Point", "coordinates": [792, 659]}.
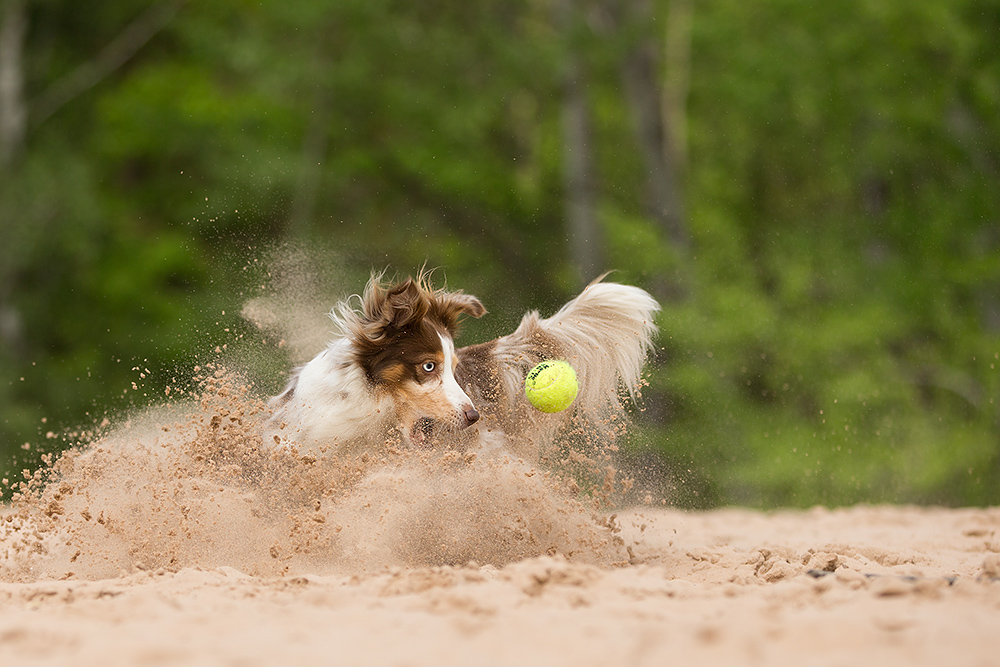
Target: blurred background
{"type": "Point", "coordinates": [810, 189]}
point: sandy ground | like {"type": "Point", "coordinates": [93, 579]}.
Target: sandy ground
{"type": "Point", "coordinates": [184, 538]}
{"type": "Point", "coordinates": [900, 586]}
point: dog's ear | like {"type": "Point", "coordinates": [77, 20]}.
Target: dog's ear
{"type": "Point", "coordinates": [405, 304]}
{"type": "Point", "coordinates": [389, 310]}
{"type": "Point", "coordinates": [464, 304]}
{"type": "Point", "coordinates": [449, 307]}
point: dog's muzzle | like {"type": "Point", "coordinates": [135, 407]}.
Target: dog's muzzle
{"type": "Point", "coordinates": [422, 431]}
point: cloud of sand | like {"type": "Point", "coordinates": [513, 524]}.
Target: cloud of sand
{"type": "Point", "coordinates": [294, 303]}
{"type": "Point", "coordinates": [193, 485]}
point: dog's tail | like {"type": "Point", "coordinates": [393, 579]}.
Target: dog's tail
{"type": "Point", "coordinates": [605, 334]}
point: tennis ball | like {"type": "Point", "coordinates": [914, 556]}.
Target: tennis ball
{"type": "Point", "coordinates": [551, 386]}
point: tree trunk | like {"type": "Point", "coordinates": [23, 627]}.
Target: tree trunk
{"type": "Point", "coordinates": [113, 56]}
{"type": "Point", "coordinates": [677, 79]}
{"type": "Point", "coordinates": [315, 144]}
{"type": "Point", "coordinates": [13, 111]}
{"type": "Point", "coordinates": [641, 84]}
{"type": "Point", "coordinates": [586, 242]}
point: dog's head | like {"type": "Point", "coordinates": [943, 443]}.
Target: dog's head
{"type": "Point", "coordinates": [403, 338]}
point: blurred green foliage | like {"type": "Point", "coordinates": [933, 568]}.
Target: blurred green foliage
{"type": "Point", "coordinates": [831, 335]}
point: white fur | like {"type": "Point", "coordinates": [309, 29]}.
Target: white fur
{"type": "Point", "coordinates": [605, 333]}
{"type": "Point", "coordinates": [331, 403]}
{"type": "Point", "coordinates": [448, 385]}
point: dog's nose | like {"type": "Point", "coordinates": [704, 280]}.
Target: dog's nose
{"type": "Point", "coordinates": [471, 416]}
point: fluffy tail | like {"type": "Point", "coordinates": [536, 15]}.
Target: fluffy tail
{"type": "Point", "coordinates": [605, 334]}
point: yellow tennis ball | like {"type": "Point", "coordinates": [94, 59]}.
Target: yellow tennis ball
{"type": "Point", "coordinates": [551, 386]}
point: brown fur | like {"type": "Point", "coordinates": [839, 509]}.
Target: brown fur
{"type": "Point", "coordinates": [479, 375]}
{"type": "Point", "coordinates": [399, 325]}
{"type": "Point", "coordinates": [374, 378]}
{"type": "Point", "coordinates": [604, 334]}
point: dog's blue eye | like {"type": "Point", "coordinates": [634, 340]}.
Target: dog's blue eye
{"type": "Point", "coordinates": [429, 366]}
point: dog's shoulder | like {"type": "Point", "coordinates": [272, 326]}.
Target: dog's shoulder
{"type": "Point", "coordinates": [478, 371]}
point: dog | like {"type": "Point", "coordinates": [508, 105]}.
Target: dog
{"type": "Point", "coordinates": [392, 373]}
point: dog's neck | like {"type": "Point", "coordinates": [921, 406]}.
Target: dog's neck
{"type": "Point", "coordinates": [333, 402]}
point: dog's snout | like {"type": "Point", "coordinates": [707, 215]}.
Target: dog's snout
{"type": "Point", "coordinates": [471, 415]}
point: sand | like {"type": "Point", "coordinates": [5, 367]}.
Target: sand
{"type": "Point", "coordinates": [183, 538]}
{"type": "Point", "coordinates": [721, 587]}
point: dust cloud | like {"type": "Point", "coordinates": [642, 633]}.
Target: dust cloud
{"type": "Point", "coordinates": [193, 484]}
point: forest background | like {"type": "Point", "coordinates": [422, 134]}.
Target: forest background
{"type": "Point", "coordinates": [809, 189]}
